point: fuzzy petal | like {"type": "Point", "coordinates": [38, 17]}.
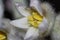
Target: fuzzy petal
{"type": "Point", "coordinates": [20, 23]}
{"type": "Point", "coordinates": [22, 10]}
{"type": "Point", "coordinates": [36, 4]}
{"type": "Point", "coordinates": [31, 34]}
{"type": "Point", "coordinates": [43, 26]}
{"type": "Point", "coordinates": [1, 12]}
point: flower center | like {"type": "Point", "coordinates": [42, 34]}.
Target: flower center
{"type": "Point", "coordinates": [35, 18]}
{"type": "Point", "coordinates": [2, 36]}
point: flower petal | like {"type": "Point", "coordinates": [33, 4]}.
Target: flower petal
{"type": "Point", "coordinates": [31, 34]}
{"type": "Point", "coordinates": [20, 23]}
{"type": "Point", "coordinates": [43, 26]}
{"type": "Point", "coordinates": [36, 4]}
{"type": "Point", "coordinates": [23, 11]}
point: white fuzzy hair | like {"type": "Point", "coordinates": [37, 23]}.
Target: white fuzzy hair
{"type": "Point", "coordinates": [56, 30]}
{"type": "Point", "coordinates": [1, 12]}
{"type": "Point", "coordinates": [55, 20]}
{"type": "Point", "coordinates": [49, 14]}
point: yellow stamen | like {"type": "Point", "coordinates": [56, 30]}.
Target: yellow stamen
{"type": "Point", "coordinates": [2, 36]}
{"type": "Point", "coordinates": [33, 23]}
{"type": "Point", "coordinates": [35, 18]}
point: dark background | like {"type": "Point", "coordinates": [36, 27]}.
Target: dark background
{"type": "Point", "coordinates": [55, 4]}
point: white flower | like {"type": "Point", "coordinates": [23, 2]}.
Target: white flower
{"type": "Point", "coordinates": [22, 23]}
{"type": "Point", "coordinates": [1, 12]}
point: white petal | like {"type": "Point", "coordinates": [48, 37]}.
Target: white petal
{"type": "Point", "coordinates": [20, 23]}
{"type": "Point", "coordinates": [43, 26]}
{"type": "Point", "coordinates": [36, 4]}
{"type": "Point", "coordinates": [23, 11]}
{"type": "Point", "coordinates": [31, 34]}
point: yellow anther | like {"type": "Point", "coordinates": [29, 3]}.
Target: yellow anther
{"type": "Point", "coordinates": [2, 36]}
{"type": "Point", "coordinates": [35, 18]}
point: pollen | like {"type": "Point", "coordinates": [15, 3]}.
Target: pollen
{"type": "Point", "coordinates": [37, 16]}
{"type": "Point", "coordinates": [35, 19]}
{"type": "Point", "coordinates": [2, 36]}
